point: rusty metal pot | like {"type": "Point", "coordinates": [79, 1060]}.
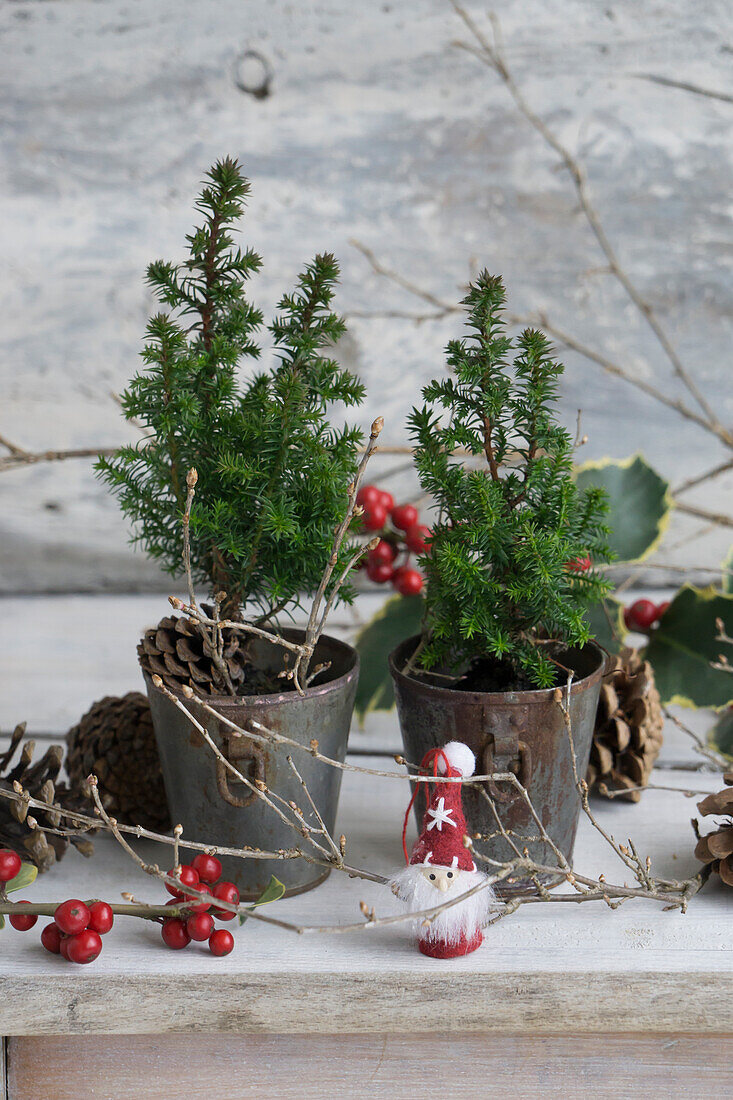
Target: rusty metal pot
{"type": "Point", "coordinates": [518, 731]}
{"type": "Point", "coordinates": [213, 806]}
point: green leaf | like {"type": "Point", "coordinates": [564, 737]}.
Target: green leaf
{"type": "Point", "coordinates": [27, 874]}
{"type": "Point", "coordinates": [272, 892]}
{"type": "Point", "coordinates": [606, 621]}
{"type": "Point", "coordinates": [400, 618]}
{"type": "Point", "coordinates": [721, 735]}
{"type": "Point", "coordinates": [683, 645]}
{"type": "Point", "coordinates": [640, 500]}
{"type": "Point", "coordinates": [728, 573]}
{"type": "Point", "coordinates": [2, 921]}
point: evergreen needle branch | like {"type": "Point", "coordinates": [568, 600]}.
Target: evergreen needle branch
{"type": "Point", "coordinates": [492, 56]}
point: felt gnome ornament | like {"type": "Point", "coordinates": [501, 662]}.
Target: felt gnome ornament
{"type": "Point", "coordinates": [440, 866]}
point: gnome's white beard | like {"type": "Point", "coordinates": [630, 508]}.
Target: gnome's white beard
{"type": "Point", "coordinates": [465, 918]}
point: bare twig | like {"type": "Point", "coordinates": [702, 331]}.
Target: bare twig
{"type": "Point", "coordinates": [685, 86]}
{"type": "Point", "coordinates": [491, 54]}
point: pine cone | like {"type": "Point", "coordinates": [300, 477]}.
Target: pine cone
{"type": "Point", "coordinates": [23, 829]}
{"type": "Point", "coordinates": [175, 649]}
{"type": "Point", "coordinates": [115, 741]}
{"type": "Point", "coordinates": [717, 848]}
{"type": "Point", "coordinates": [628, 731]}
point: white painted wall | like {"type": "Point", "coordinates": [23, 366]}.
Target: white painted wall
{"type": "Point", "coordinates": [377, 128]}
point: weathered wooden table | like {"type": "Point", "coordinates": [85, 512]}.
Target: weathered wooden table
{"type": "Point", "coordinates": [560, 1001]}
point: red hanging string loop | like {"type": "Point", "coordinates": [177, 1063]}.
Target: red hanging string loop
{"type": "Point", "coordinates": [429, 761]}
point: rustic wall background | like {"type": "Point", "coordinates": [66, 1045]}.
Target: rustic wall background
{"type": "Point", "coordinates": [376, 127]}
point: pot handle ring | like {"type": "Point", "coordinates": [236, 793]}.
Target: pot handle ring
{"type": "Point", "coordinates": [240, 755]}
{"type": "Point", "coordinates": [507, 754]}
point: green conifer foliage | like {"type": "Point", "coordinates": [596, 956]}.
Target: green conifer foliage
{"type": "Point", "coordinates": [272, 470]}
{"type": "Point", "coordinates": [497, 577]}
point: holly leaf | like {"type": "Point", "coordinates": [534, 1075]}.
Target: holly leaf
{"type": "Point", "coordinates": [606, 621]}
{"type": "Point", "coordinates": [728, 573]}
{"type": "Point", "coordinates": [683, 646]}
{"type": "Point", "coordinates": [272, 892]}
{"type": "Point", "coordinates": [399, 618]}
{"type": "Point", "coordinates": [27, 874]}
{"type": "Point", "coordinates": [721, 735]}
{"type": "Point", "coordinates": [640, 503]}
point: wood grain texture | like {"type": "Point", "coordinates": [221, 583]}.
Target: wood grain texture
{"type": "Point", "coordinates": [382, 1067]}
{"type": "Point", "coordinates": [585, 966]}
{"type": "Point", "coordinates": [377, 128]}
{"type": "Point", "coordinates": [366, 1002]}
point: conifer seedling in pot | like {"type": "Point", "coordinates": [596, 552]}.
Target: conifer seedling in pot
{"type": "Point", "coordinates": [509, 572]}
{"type": "Point", "coordinates": [244, 485]}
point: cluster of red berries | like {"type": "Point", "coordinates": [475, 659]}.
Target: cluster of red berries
{"type": "Point", "coordinates": [403, 535]}
{"type": "Point", "coordinates": [76, 930]}
{"type": "Point", "coordinates": [643, 615]}
{"type": "Point", "coordinates": [204, 876]}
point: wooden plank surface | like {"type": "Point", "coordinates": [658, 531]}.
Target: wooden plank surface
{"type": "Point", "coordinates": [382, 1067]}
{"type": "Point", "coordinates": [590, 968]}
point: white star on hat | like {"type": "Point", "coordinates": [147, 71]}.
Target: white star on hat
{"type": "Point", "coordinates": [440, 815]}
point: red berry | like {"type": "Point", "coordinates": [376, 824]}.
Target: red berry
{"type": "Point", "coordinates": [375, 517]}
{"type": "Point", "coordinates": [23, 921]}
{"type": "Point", "coordinates": [174, 934]}
{"type": "Point", "coordinates": [188, 877]}
{"type": "Point", "coordinates": [194, 904]}
{"type": "Point", "coordinates": [662, 609]}
{"type": "Point", "coordinates": [51, 938]}
{"type": "Point", "coordinates": [404, 516]}
{"type": "Point", "coordinates": [368, 495]}
{"type": "Point", "coordinates": [384, 553]}
{"type": "Point", "coordinates": [9, 864]}
{"type": "Point", "coordinates": [72, 916]}
{"type": "Point", "coordinates": [408, 582]}
{"type": "Point", "coordinates": [386, 500]}
{"type": "Point", "coordinates": [101, 917]}
{"type": "Point", "coordinates": [208, 867]}
{"type": "Point", "coordinates": [226, 891]}
{"type": "Point", "coordinates": [200, 926]}
{"type": "Point", "coordinates": [221, 942]}
{"type": "Point", "coordinates": [579, 565]}
{"type": "Point", "coordinates": [84, 947]}
{"type": "Point", "coordinates": [379, 571]}
{"type": "Point", "coordinates": [64, 947]}
{"type": "Point", "coordinates": [641, 615]}
{"type": "Point", "coordinates": [417, 538]}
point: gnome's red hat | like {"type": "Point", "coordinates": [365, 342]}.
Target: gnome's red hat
{"type": "Point", "coordinates": [441, 840]}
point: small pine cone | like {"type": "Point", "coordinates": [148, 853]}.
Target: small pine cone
{"type": "Point", "coordinates": [177, 651]}
{"type": "Point", "coordinates": [38, 781]}
{"type": "Point", "coordinates": [628, 730]}
{"type": "Point", "coordinates": [717, 848]}
{"type": "Point", "coordinates": [115, 741]}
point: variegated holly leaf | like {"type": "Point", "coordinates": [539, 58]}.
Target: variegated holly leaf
{"type": "Point", "coordinates": [606, 620]}
{"type": "Point", "coordinates": [683, 648]}
{"type": "Point", "coordinates": [640, 503]}
{"type": "Point", "coordinates": [728, 573]}
{"type": "Point", "coordinates": [399, 618]}
{"type": "Point", "coordinates": [721, 735]}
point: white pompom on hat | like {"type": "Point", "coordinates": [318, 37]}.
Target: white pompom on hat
{"type": "Point", "coordinates": [460, 758]}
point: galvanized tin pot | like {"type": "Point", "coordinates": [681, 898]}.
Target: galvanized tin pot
{"type": "Point", "coordinates": [522, 732]}
{"type": "Point", "coordinates": [213, 806]}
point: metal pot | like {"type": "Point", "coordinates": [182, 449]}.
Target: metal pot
{"type": "Point", "coordinates": [214, 807]}
{"type": "Point", "coordinates": [518, 731]}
